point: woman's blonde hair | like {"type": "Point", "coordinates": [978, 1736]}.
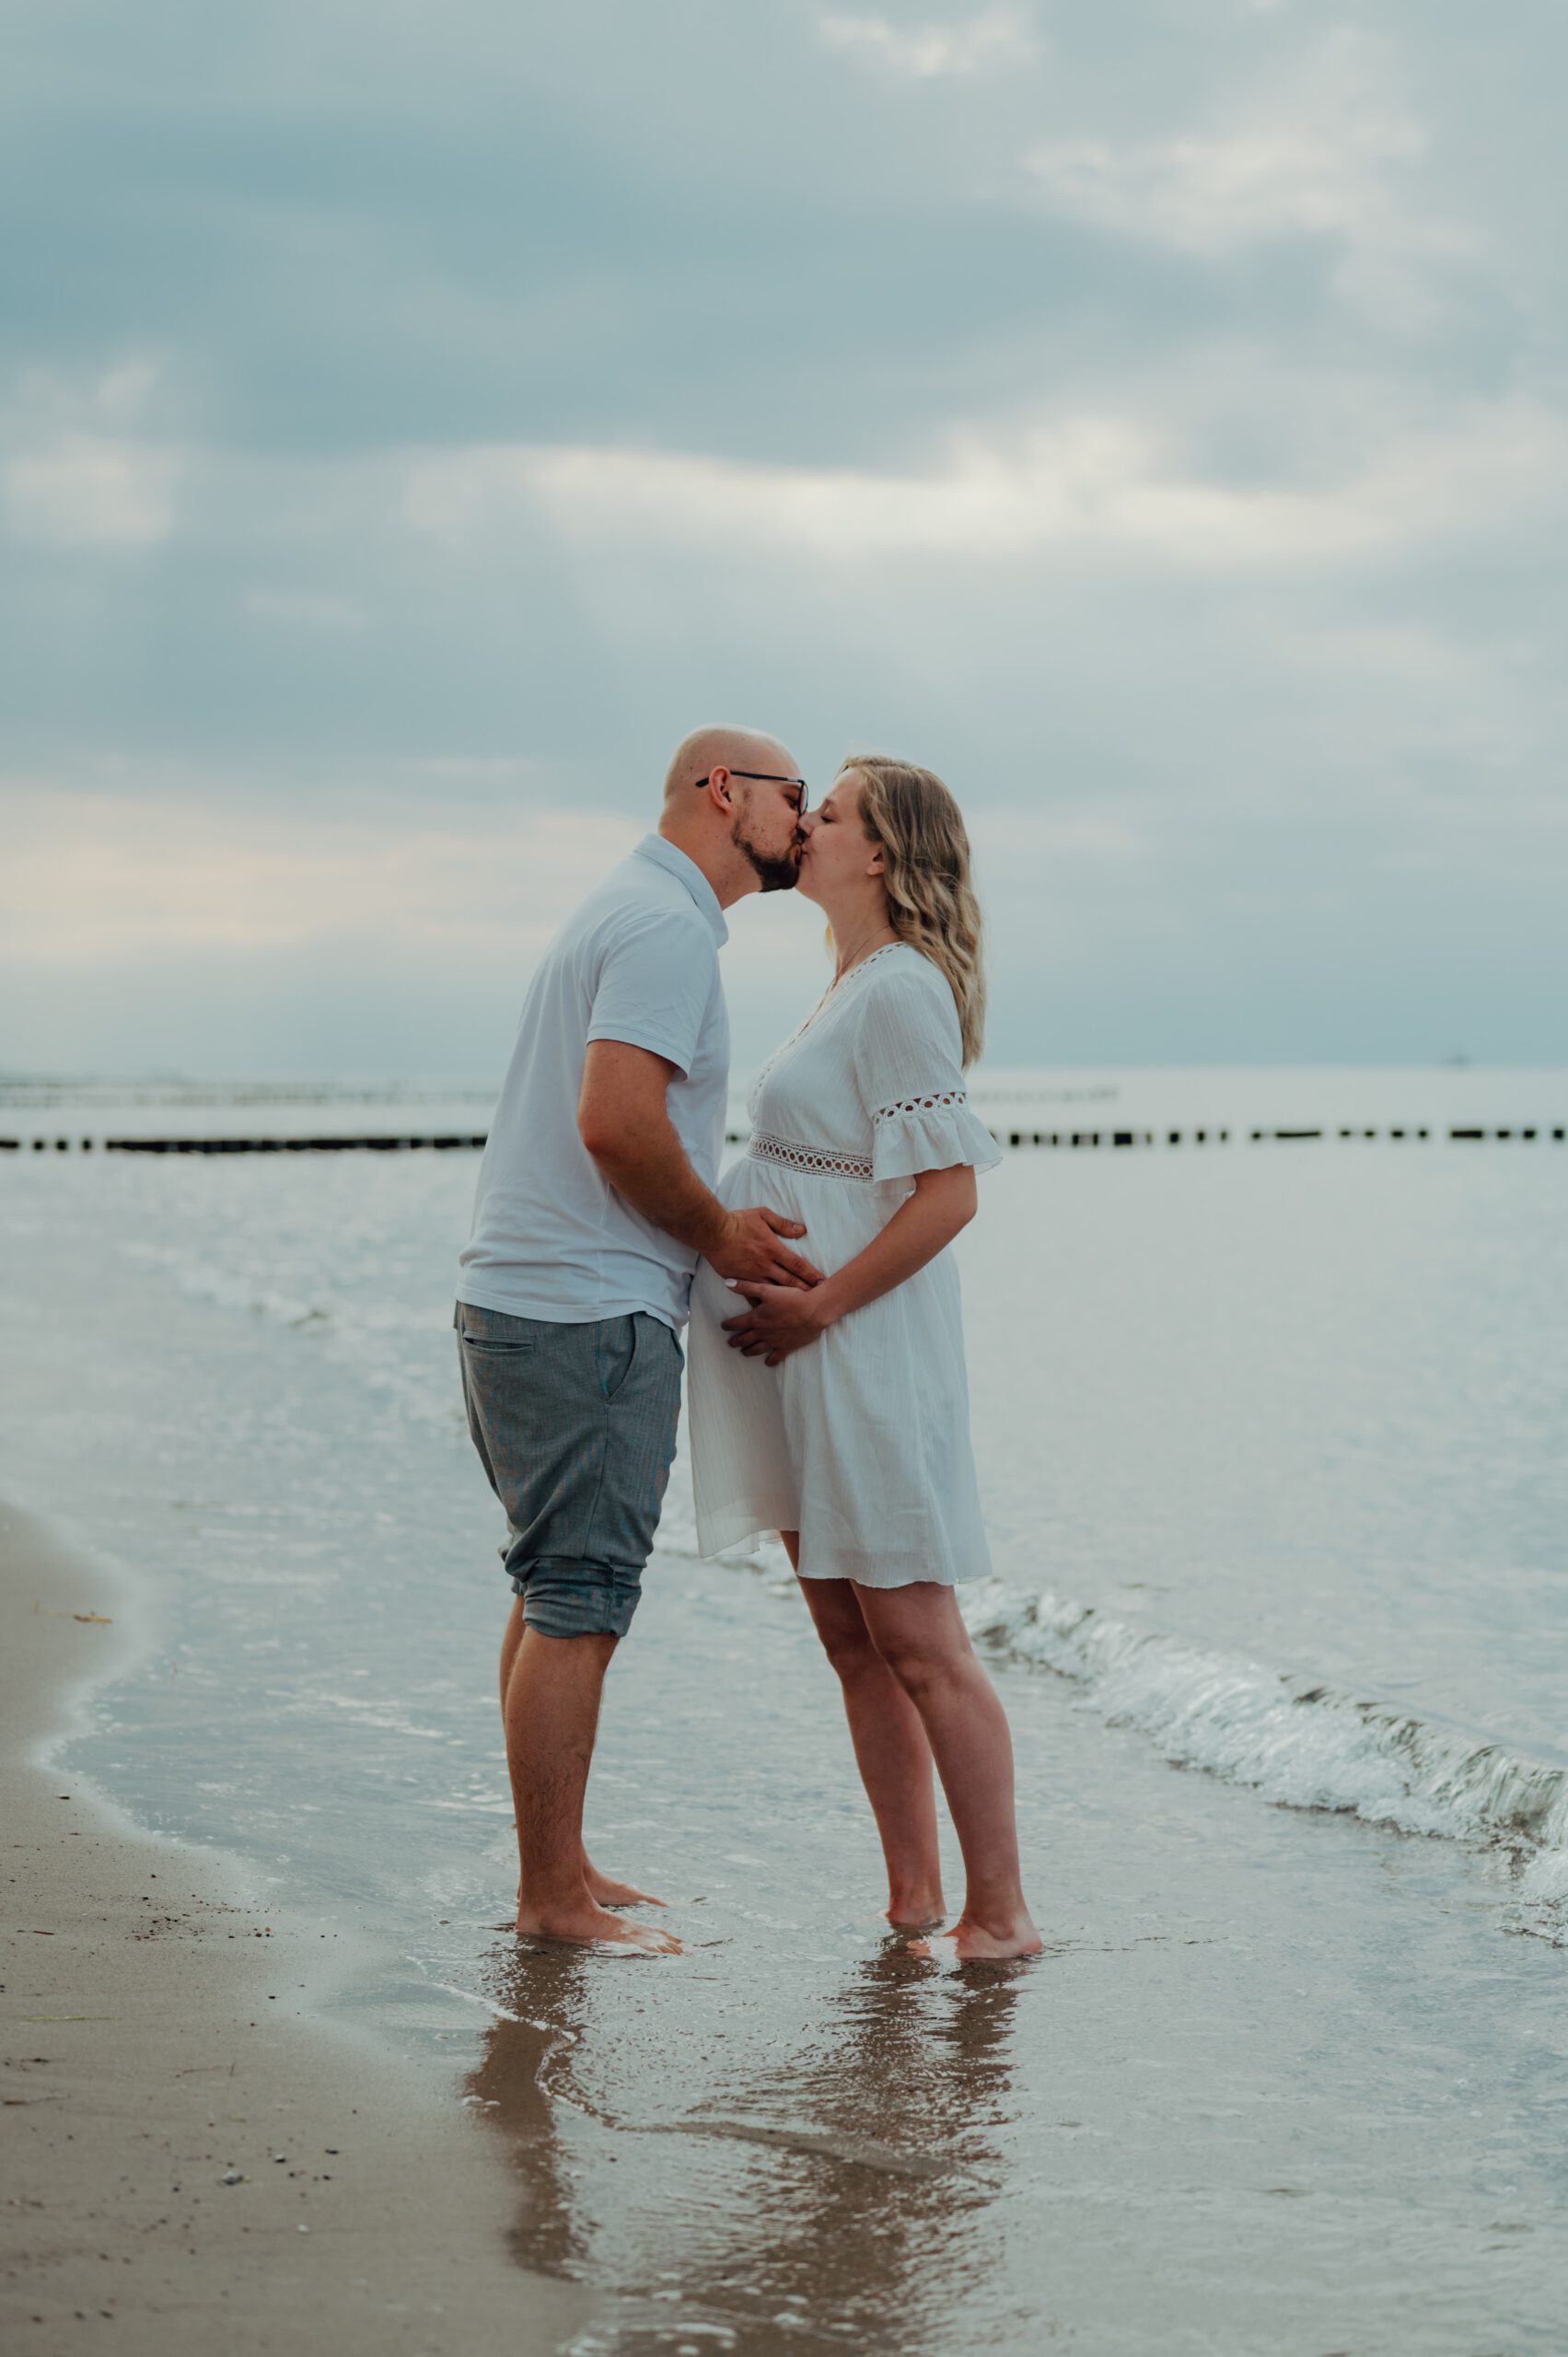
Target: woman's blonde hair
{"type": "Point", "coordinates": [931, 899]}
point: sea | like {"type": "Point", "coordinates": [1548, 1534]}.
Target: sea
{"type": "Point", "coordinates": [1270, 1414]}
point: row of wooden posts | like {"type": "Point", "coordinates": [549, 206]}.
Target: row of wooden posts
{"type": "Point", "coordinates": [1398, 1132]}
{"type": "Point", "coordinates": [1068, 1139]}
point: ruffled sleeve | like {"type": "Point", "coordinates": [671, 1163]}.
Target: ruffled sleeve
{"type": "Point", "coordinates": [909, 1068]}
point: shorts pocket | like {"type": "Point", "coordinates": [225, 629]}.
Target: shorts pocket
{"type": "Point", "coordinates": [491, 1333]}
{"type": "Point", "coordinates": [616, 1353]}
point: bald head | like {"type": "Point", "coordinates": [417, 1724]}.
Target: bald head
{"type": "Point", "coordinates": [743, 828]}
{"type": "Point", "coordinates": [719, 748]}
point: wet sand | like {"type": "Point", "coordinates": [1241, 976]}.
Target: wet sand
{"type": "Point", "coordinates": [155, 2052]}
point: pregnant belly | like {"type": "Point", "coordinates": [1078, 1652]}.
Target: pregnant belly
{"type": "Point", "coordinates": [840, 1216]}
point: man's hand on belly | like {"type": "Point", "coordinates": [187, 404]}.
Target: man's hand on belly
{"type": "Point", "coordinates": [749, 1251]}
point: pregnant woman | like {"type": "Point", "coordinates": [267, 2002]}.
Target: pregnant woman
{"type": "Point", "coordinates": [839, 1415]}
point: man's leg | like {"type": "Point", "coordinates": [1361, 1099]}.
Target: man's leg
{"type": "Point", "coordinates": [575, 1425]}
{"type": "Point", "coordinates": [552, 1710]}
{"type": "Point", "coordinates": [600, 1887]}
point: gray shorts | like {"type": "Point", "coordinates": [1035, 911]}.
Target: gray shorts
{"type": "Point", "coordinates": [575, 1427]}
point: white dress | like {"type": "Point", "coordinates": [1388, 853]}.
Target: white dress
{"type": "Point", "coordinates": [859, 1440]}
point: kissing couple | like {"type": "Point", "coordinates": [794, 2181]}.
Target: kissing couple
{"type": "Point", "coordinates": [828, 1396]}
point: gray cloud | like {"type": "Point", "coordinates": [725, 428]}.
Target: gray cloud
{"type": "Point", "coordinates": [410, 424]}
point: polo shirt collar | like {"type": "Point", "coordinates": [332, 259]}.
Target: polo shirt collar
{"type": "Point", "coordinates": [674, 863]}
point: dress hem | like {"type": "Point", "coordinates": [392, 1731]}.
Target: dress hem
{"type": "Point", "coordinates": [748, 1534]}
{"type": "Point", "coordinates": [744, 1533]}
{"type": "Point", "coordinates": [959, 1579]}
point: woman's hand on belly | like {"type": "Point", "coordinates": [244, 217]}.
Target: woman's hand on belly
{"type": "Point", "coordinates": [780, 1318]}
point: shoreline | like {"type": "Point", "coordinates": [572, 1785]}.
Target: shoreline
{"type": "Point", "coordinates": [190, 2154]}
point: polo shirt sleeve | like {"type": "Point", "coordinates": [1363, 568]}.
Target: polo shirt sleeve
{"type": "Point", "coordinates": [655, 981]}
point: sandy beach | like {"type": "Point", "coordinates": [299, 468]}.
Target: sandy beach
{"type": "Point", "coordinates": [187, 2158]}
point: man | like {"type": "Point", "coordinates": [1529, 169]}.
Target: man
{"type": "Point", "coordinates": [595, 1200]}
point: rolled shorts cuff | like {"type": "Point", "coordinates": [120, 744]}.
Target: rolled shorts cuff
{"type": "Point", "coordinates": [563, 1596]}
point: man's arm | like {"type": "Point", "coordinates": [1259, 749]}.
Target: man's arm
{"type": "Point", "coordinates": [624, 1122]}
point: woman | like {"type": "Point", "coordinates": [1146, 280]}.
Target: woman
{"type": "Point", "coordinates": [839, 1415]}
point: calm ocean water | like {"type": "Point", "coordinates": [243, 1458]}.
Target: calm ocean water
{"type": "Point", "coordinates": [1270, 1441]}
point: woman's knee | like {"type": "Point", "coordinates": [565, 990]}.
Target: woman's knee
{"type": "Point", "coordinates": [918, 1655]}
{"type": "Point", "coordinates": [844, 1637]}
{"type": "Point", "coordinates": [917, 1665]}
{"type": "Point", "coordinates": [850, 1651]}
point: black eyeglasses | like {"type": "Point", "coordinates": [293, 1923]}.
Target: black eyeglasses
{"type": "Point", "coordinates": [771, 777]}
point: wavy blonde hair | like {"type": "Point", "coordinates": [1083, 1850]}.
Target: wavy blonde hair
{"type": "Point", "coordinates": [931, 899]}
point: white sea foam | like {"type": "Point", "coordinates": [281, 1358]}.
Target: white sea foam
{"type": "Point", "coordinates": [227, 1288]}
{"type": "Point", "coordinates": [1302, 1744]}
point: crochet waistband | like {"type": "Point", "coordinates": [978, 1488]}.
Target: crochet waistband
{"type": "Point", "coordinates": [814, 1160]}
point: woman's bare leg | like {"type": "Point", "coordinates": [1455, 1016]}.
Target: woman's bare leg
{"type": "Point", "coordinates": [890, 1750]}
{"type": "Point", "coordinates": [918, 1632]}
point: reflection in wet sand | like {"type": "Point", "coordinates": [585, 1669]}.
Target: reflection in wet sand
{"type": "Point", "coordinates": [821, 2189]}
{"type": "Point", "coordinates": [512, 2083]}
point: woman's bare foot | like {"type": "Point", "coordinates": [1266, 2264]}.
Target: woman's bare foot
{"type": "Point", "coordinates": [586, 1924]}
{"type": "Point", "coordinates": [917, 1910]}
{"type": "Point", "coordinates": [971, 1942]}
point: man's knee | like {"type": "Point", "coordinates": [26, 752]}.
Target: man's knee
{"type": "Point", "coordinates": [583, 1647]}
{"type": "Point", "coordinates": [566, 1597]}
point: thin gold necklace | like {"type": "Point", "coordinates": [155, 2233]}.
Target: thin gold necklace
{"type": "Point", "coordinates": [854, 960]}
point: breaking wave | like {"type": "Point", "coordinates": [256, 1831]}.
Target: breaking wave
{"type": "Point", "coordinates": [1300, 1744]}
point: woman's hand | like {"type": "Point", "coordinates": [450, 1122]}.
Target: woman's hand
{"type": "Point", "coordinates": [781, 1318]}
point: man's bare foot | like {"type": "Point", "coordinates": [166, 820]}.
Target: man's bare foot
{"type": "Point", "coordinates": [610, 1893]}
{"type": "Point", "coordinates": [970, 1942]}
{"type": "Point", "coordinates": [605, 1892]}
{"type": "Point", "coordinates": [587, 1925]}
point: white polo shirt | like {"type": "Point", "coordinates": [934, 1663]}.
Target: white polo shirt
{"type": "Point", "coordinates": [639, 962]}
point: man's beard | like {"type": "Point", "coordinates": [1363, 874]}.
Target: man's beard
{"type": "Point", "coordinates": [774, 875]}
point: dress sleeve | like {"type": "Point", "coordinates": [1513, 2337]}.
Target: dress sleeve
{"type": "Point", "coordinates": [908, 1069]}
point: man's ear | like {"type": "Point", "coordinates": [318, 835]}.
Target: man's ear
{"type": "Point", "coordinates": [719, 776]}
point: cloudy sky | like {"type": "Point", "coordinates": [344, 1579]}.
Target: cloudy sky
{"type": "Point", "coordinates": [416, 414]}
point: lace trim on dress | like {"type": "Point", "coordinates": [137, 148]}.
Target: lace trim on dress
{"type": "Point", "coordinates": [920, 1104]}
{"type": "Point", "coordinates": [817, 1161]}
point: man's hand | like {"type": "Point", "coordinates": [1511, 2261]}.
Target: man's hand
{"type": "Point", "coordinates": [749, 1251]}
{"type": "Point", "coordinates": [781, 1318]}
